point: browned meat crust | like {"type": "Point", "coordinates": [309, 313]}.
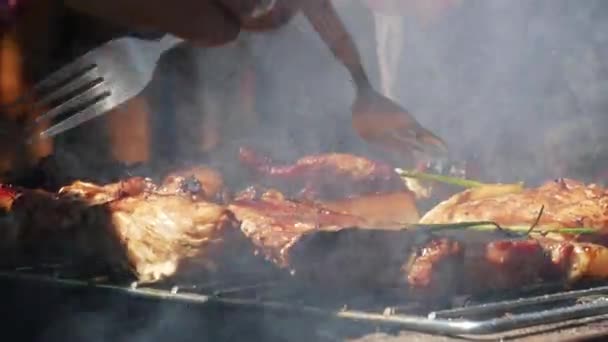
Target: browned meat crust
{"type": "Point", "coordinates": [567, 203]}
{"type": "Point", "coordinates": [572, 259]}
{"type": "Point", "coordinates": [426, 266]}
{"type": "Point", "coordinates": [324, 176]}
{"type": "Point", "coordinates": [203, 181]}
{"type": "Point", "coordinates": [392, 210]}
{"type": "Point", "coordinates": [127, 226]}
{"type": "Point", "coordinates": [173, 230]}
{"type": "Point", "coordinates": [274, 223]}
{"type": "Point", "coordinates": [322, 247]}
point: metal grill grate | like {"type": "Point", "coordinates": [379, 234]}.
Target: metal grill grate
{"type": "Point", "coordinates": [491, 317]}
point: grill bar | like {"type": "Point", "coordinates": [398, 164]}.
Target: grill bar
{"type": "Point", "coordinates": [518, 303]}
{"type": "Point", "coordinates": [454, 322]}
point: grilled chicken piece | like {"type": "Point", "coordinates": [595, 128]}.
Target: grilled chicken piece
{"type": "Point", "coordinates": [140, 232]}
{"type": "Point", "coordinates": [92, 194]}
{"type": "Point", "coordinates": [394, 210]}
{"type": "Point", "coordinates": [198, 179]}
{"type": "Point", "coordinates": [494, 263]}
{"type": "Point", "coordinates": [322, 247]}
{"type": "Point", "coordinates": [376, 259]}
{"type": "Point", "coordinates": [323, 177]}
{"type": "Point", "coordinates": [274, 223]}
{"type": "Point", "coordinates": [567, 203]}
{"type": "Point", "coordinates": [198, 182]}
{"type": "Point", "coordinates": [573, 260]}
{"type": "Point", "coordinates": [155, 235]}
{"type": "Point", "coordinates": [427, 266]}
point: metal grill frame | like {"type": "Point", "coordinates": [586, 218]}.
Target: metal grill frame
{"type": "Point", "coordinates": [457, 321]}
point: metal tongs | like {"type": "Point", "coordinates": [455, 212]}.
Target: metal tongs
{"type": "Point", "coordinates": [96, 82]}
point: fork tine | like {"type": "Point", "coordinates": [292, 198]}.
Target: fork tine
{"type": "Point", "coordinates": [98, 108]}
{"type": "Point", "coordinates": [73, 103]}
{"type": "Point", "coordinates": [80, 65]}
{"type": "Point", "coordinates": [81, 80]}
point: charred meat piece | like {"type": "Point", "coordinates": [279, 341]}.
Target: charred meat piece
{"type": "Point", "coordinates": [322, 247]}
{"type": "Point", "coordinates": [391, 210]}
{"type": "Point", "coordinates": [494, 264]}
{"type": "Point", "coordinates": [323, 177]}
{"type": "Point", "coordinates": [426, 266]}
{"type": "Point", "coordinates": [197, 180]}
{"type": "Point", "coordinates": [567, 203]}
{"type": "Point", "coordinates": [374, 259]}
{"type": "Point", "coordinates": [92, 194]}
{"type": "Point", "coordinates": [274, 223]}
{"type": "Point", "coordinates": [151, 235]}
{"type": "Point", "coordinates": [388, 210]}
{"type": "Point", "coordinates": [573, 260]}
{"type": "Point", "coordinates": [138, 232]}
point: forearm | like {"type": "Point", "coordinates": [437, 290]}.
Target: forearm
{"type": "Point", "coordinates": [328, 24]}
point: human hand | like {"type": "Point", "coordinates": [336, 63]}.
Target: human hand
{"type": "Point", "coordinates": [206, 22]}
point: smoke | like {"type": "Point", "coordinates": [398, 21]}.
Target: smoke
{"type": "Point", "coordinates": [302, 95]}
{"type": "Point", "coordinates": [497, 79]}
{"type": "Point", "coordinates": [521, 86]}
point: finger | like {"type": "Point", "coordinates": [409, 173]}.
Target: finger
{"type": "Point", "coordinates": [242, 8]}
{"type": "Point", "coordinates": [202, 21]}
{"type": "Point", "coordinates": [262, 15]}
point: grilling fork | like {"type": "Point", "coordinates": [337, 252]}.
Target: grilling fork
{"type": "Point", "coordinates": [97, 82]}
{"type": "Point", "coordinates": [376, 118]}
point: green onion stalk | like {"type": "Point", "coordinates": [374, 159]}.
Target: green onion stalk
{"type": "Point", "coordinates": [493, 226]}
{"type": "Point", "coordinates": [465, 183]}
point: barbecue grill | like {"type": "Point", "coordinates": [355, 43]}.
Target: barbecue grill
{"type": "Point", "coordinates": [547, 312]}
{"type": "Point", "coordinates": [526, 311]}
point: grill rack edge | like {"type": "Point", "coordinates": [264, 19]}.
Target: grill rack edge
{"type": "Point", "coordinates": [445, 322]}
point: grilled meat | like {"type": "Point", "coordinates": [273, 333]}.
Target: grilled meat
{"type": "Point", "coordinates": [174, 229]}
{"type": "Point", "coordinates": [392, 210]}
{"type": "Point", "coordinates": [274, 223]}
{"type": "Point", "coordinates": [426, 266]}
{"type": "Point", "coordinates": [573, 260]}
{"type": "Point", "coordinates": [567, 203]}
{"type": "Point", "coordinates": [323, 177]}
{"type": "Point", "coordinates": [92, 194]}
{"type": "Point", "coordinates": [494, 262]}
{"type": "Point", "coordinates": [376, 259]}
{"type": "Point", "coordinates": [199, 180]}
{"type": "Point", "coordinates": [322, 247]}
{"type": "Point", "coordinates": [128, 227]}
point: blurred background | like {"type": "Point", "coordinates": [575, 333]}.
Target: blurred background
{"type": "Point", "coordinates": [517, 88]}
